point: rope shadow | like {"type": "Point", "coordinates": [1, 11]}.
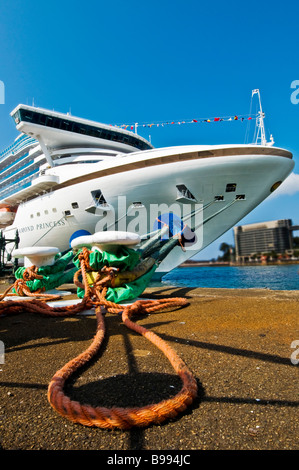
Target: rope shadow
{"type": "Point", "coordinates": [35, 328]}
{"type": "Point", "coordinates": [126, 390]}
{"type": "Point", "coordinates": [172, 291]}
{"type": "Point", "coordinates": [250, 401]}
{"type": "Point", "coordinates": [229, 350]}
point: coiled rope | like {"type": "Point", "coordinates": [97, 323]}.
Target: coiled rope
{"type": "Point", "coordinates": [115, 417]}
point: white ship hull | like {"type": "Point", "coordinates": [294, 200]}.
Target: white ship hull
{"type": "Point", "coordinates": [227, 182]}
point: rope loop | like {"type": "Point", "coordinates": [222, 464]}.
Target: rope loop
{"type": "Point", "coordinates": [31, 273]}
{"type": "Point", "coordinates": [95, 296]}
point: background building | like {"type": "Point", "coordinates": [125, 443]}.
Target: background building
{"type": "Point", "coordinates": [265, 237]}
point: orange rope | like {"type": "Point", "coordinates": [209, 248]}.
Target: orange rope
{"type": "Point", "coordinates": [123, 418]}
{"type": "Point", "coordinates": [178, 235]}
{"type": "Point", "coordinates": [23, 290]}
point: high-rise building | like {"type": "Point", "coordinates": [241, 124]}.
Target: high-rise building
{"type": "Point", "coordinates": [261, 238]}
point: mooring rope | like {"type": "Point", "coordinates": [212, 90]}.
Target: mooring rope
{"type": "Point", "coordinates": [115, 417]}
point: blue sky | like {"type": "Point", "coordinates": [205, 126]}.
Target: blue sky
{"type": "Point", "coordinates": [134, 61]}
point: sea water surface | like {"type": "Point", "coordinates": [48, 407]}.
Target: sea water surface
{"type": "Point", "coordinates": [275, 277]}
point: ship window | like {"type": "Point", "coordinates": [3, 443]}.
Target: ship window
{"type": "Point", "coordinates": [46, 212]}
{"type": "Point", "coordinates": [43, 119]}
{"type": "Point", "coordinates": [231, 187]}
{"type": "Point", "coordinates": [38, 214]}
{"type": "Point", "coordinates": [54, 209]}
{"type": "Point", "coordinates": [98, 197]}
{"type": "Point", "coordinates": [31, 216]}
{"type": "Point", "coordinates": [16, 117]}
{"type": "Point", "coordinates": [183, 192]}
{"type": "Point", "coordinates": [67, 212]}
{"type": "Point", "coordinates": [75, 205]}
{"type": "Point", "coordinates": [240, 197]}
{"type": "Point", "coordinates": [29, 116]}
{"type": "Point", "coordinates": [219, 198]}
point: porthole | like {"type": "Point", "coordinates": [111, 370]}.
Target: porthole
{"type": "Point", "coordinates": [231, 187]}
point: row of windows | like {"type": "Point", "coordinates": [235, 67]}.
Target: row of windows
{"type": "Point", "coordinates": [262, 241]}
{"type": "Point", "coordinates": [19, 170]}
{"type": "Point", "coordinates": [74, 205]}
{"type": "Point", "coordinates": [46, 212]}
{"type": "Point", "coordinates": [22, 141]}
{"type": "Point", "coordinates": [78, 128]}
{"type": "Point", "coordinates": [12, 162]}
{"type": "Point", "coordinates": [18, 184]}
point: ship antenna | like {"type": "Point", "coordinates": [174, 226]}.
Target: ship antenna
{"type": "Point", "coordinates": [260, 123]}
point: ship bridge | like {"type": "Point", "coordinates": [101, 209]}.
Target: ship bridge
{"type": "Point", "coordinates": [55, 130]}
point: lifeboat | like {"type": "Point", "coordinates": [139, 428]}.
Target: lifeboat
{"type": "Point", "coordinates": [7, 214]}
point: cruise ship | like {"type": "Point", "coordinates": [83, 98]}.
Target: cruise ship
{"type": "Point", "coordinates": [65, 177]}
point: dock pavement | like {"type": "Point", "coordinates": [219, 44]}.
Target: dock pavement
{"type": "Point", "coordinates": [241, 345]}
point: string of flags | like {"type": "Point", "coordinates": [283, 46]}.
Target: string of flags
{"type": "Point", "coordinates": [241, 118]}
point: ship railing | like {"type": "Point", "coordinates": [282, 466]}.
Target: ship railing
{"type": "Point", "coordinates": [17, 146]}
{"type": "Point", "coordinates": [19, 173]}
{"type": "Point", "coordinates": [16, 187]}
{"type": "Point", "coordinates": [12, 165]}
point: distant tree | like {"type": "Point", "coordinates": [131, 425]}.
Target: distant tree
{"type": "Point", "coordinates": [227, 251]}
{"type": "Point", "coordinates": [273, 255]}
{"type": "Point", "coordinates": [295, 242]}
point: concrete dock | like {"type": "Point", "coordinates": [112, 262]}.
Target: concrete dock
{"type": "Point", "coordinates": [240, 345]}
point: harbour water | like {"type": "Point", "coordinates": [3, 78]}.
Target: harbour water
{"type": "Point", "coordinates": [274, 277]}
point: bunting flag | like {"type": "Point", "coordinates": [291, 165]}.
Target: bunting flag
{"type": "Point", "coordinates": [241, 118]}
